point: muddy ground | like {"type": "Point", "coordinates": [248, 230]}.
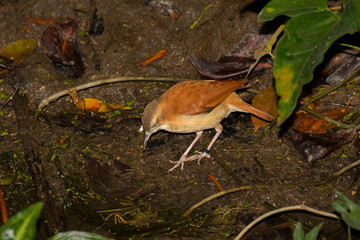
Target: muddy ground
{"type": "Point", "coordinates": [94, 162]}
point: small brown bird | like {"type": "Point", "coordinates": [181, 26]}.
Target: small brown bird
{"type": "Point", "coordinates": [194, 106]}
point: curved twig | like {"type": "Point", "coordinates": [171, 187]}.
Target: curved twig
{"type": "Point", "coordinates": [216, 195]}
{"type": "Point", "coordinates": [338, 173]}
{"type": "Point", "coordinates": [336, 86]}
{"type": "Point", "coordinates": [220, 194]}
{"type": "Point", "coordinates": [301, 207]}
{"type": "Point", "coordinates": [332, 121]}
{"type": "Point", "coordinates": [57, 95]}
{"type": "Point", "coordinates": [16, 89]}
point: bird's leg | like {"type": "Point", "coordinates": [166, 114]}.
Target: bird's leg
{"type": "Point", "coordinates": [199, 155]}
{"type": "Point", "coordinates": [206, 151]}
{"type": "Point", "coordinates": [183, 157]}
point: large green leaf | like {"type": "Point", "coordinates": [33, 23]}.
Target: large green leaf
{"type": "Point", "coordinates": [22, 226]}
{"type": "Point", "coordinates": [357, 12]}
{"type": "Point", "coordinates": [349, 211]}
{"type": "Point", "coordinates": [77, 235]}
{"type": "Point", "coordinates": [306, 38]}
{"type": "Point", "coordinates": [290, 8]}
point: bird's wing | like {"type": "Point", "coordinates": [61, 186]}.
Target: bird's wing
{"type": "Point", "coordinates": [196, 97]}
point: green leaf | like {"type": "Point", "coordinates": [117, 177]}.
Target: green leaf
{"type": "Point", "coordinates": [22, 226]}
{"type": "Point", "coordinates": [306, 39]}
{"type": "Point", "coordinates": [290, 8]}
{"type": "Point", "coordinates": [357, 13]}
{"type": "Point", "coordinates": [313, 234]}
{"type": "Point", "coordinates": [298, 233]}
{"type": "Point", "coordinates": [350, 212]}
{"type": "Point", "coordinates": [19, 50]}
{"type": "Point", "coordinates": [77, 235]}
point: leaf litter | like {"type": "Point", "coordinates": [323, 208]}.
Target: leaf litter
{"type": "Point", "coordinates": [147, 181]}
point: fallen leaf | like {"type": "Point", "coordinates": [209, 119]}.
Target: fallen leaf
{"type": "Point", "coordinates": [343, 70]}
{"type": "Point", "coordinates": [26, 29]}
{"type": "Point", "coordinates": [238, 61]}
{"type": "Point", "coordinates": [60, 44]}
{"type": "Point", "coordinates": [40, 20]}
{"type": "Point", "coordinates": [166, 8]}
{"type": "Point", "coordinates": [18, 50]}
{"type": "Point", "coordinates": [315, 146]}
{"type": "Point", "coordinates": [308, 123]}
{"type": "Point", "coordinates": [94, 104]}
{"type": "Point", "coordinates": [266, 100]}
{"type": "Point", "coordinates": [104, 173]}
{"type": "Point", "coordinates": [159, 54]}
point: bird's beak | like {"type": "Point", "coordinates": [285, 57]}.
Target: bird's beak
{"type": "Point", "coordinates": [147, 137]}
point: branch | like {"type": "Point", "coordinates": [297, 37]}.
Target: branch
{"type": "Point", "coordinates": [208, 199]}
{"type": "Point", "coordinates": [301, 207]}
{"type": "Point", "coordinates": [57, 95]}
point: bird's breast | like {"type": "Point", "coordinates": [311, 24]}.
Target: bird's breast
{"type": "Point", "coordinates": [198, 122]}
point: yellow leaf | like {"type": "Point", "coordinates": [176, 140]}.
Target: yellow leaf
{"type": "Point", "coordinates": [94, 104]}
{"type": "Point", "coordinates": [19, 50]}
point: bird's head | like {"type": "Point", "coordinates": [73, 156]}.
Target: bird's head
{"type": "Point", "coordinates": [149, 120]}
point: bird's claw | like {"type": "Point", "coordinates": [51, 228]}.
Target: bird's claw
{"type": "Point", "coordinates": [201, 155]}
{"type": "Point", "coordinates": [198, 156]}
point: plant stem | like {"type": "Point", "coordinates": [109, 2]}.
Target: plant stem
{"type": "Point", "coordinates": [284, 209]}
{"type": "Point", "coordinates": [216, 195]}
{"type": "Point", "coordinates": [332, 121]}
{"type": "Point", "coordinates": [57, 95]}
{"type": "Point", "coordinates": [201, 15]}
{"type": "Point", "coordinates": [336, 86]}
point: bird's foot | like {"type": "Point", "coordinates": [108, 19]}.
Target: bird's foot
{"type": "Point", "coordinates": [201, 155]}
{"type": "Point", "coordinates": [198, 156]}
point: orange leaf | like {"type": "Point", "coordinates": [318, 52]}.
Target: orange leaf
{"type": "Point", "coordinates": [26, 29]}
{"type": "Point", "coordinates": [308, 123]}
{"type": "Point", "coordinates": [159, 54]}
{"type": "Point", "coordinates": [213, 179]}
{"type": "Point", "coordinates": [3, 207]}
{"type": "Point", "coordinates": [266, 100]}
{"type": "Point", "coordinates": [40, 20]}
{"type": "Point", "coordinates": [96, 105]}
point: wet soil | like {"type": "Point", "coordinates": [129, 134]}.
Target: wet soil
{"type": "Point", "coordinates": [100, 178]}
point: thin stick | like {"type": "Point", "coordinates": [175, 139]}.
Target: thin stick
{"type": "Point", "coordinates": [301, 207]}
{"type": "Point", "coordinates": [338, 173]}
{"type": "Point", "coordinates": [3, 207]}
{"type": "Point", "coordinates": [332, 121]}
{"type": "Point", "coordinates": [291, 208]}
{"type": "Point", "coordinates": [57, 95]}
{"type": "Point", "coordinates": [201, 15]}
{"type": "Point", "coordinates": [220, 194]}
{"type": "Point", "coordinates": [16, 89]}
{"type": "Point", "coordinates": [208, 199]}
{"type": "Point", "coordinates": [336, 86]}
